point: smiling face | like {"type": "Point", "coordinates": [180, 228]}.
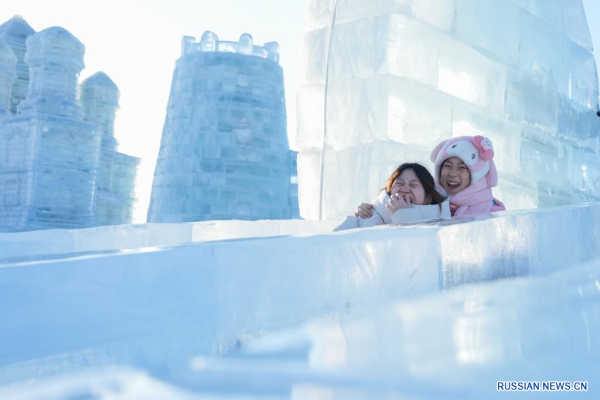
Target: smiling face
{"type": "Point", "coordinates": [409, 186]}
{"type": "Point", "coordinates": [454, 176]}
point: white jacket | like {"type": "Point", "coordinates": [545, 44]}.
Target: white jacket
{"type": "Point", "coordinates": [382, 216]}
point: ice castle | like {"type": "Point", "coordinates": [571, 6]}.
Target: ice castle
{"type": "Point", "coordinates": [58, 162]}
{"type": "Point", "coordinates": [287, 309]}
{"type": "Point", "coordinates": [224, 152]}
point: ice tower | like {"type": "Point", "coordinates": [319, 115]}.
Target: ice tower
{"type": "Point", "coordinates": [224, 151]}
{"type": "Point", "coordinates": [383, 81]}
{"type": "Point", "coordinates": [115, 180]}
{"type": "Point", "coordinates": [48, 154]}
{"type": "Point", "coordinates": [15, 32]}
{"type": "Point", "coordinates": [8, 65]}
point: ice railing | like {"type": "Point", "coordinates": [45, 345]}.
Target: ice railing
{"type": "Point", "coordinates": [209, 42]}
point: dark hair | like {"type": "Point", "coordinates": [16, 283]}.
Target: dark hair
{"type": "Point", "coordinates": [424, 177]}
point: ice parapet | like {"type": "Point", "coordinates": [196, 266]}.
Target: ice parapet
{"type": "Point", "coordinates": [211, 298]}
{"type": "Point", "coordinates": [404, 75]}
{"type": "Point", "coordinates": [39, 244]}
{"type": "Point", "coordinates": [224, 152]}
{"type": "Point", "coordinates": [210, 42]}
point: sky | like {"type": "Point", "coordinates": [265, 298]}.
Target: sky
{"type": "Point", "coordinates": [137, 42]}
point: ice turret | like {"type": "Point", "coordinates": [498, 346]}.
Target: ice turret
{"type": "Point", "coordinates": [49, 176]}
{"type": "Point", "coordinates": [116, 175]}
{"type": "Point", "coordinates": [15, 32]}
{"type": "Point", "coordinates": [8, 64]}
{"type": "Point", "coordinates": [224, 151]}
{"type": "Point", "coordinates": [55, 58]}
{"type": "Point", "coordinates": [100, 102]}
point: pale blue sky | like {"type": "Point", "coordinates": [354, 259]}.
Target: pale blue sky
{"type": "Point", "coordinates": [136, 42]}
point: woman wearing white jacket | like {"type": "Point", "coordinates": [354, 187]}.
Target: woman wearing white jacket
{"type": "Point", "coordinates": [409, 196]}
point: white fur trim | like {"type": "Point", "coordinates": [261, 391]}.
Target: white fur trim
{"type": "Point", "coordinates": [477, 175]}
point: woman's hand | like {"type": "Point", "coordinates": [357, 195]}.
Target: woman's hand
{"type": "Point", "coordinates": [365, 211]}
{"type": "Point", "coordinates": [397, 202]}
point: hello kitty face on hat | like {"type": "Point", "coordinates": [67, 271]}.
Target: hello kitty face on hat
{"type": "Point", "coordinates": [465, 151]}
{"type": "Point", "coordinates": [475, 151]}
{"type": "Point", "coordinates": [486, 150]}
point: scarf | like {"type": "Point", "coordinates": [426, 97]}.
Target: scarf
{"type": "Point", "coordinates": [475, 199]}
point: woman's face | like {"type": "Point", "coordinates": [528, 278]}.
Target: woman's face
{"type": "Point", "coordinates": [409, 186]}
{"type": "Point", "coordinates": [454, 176]}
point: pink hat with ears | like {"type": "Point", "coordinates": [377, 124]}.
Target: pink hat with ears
{"type": "Point", "coordinates": [476, 152]}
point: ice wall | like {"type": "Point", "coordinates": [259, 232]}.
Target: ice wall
{"type": "Point", "coordinates": [15, 32]}
{"type": "Point", "coordinates": [454, 345]}
{"type": "Point", "coordinates": [383, 82]}
{"type": "Point", "coordinates": [36, 244]}
{"type": "Point", "coordinates": [154, 308]}
{"type": "Point", "coordinates": [224, 152]}
{"type": "Point", "coordinates": [48, 154]}
{"type": "Point", "coordinates": [114, 197]}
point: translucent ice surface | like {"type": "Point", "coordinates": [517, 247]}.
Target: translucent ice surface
{"type": "Point", "coordinates": [382, 82]}
{"type": "Point", "coordinates": [212, 290]}
{"type": "Point", "coordinates": [454, 345]}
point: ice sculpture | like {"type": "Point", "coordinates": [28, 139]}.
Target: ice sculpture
{"type": "Point", "coordinates": [48, 154]}
{"type": "Point", "coordinates": [15, 32]}
{"type": "Point", "coordinates": [116, 174]}
{"type": "Point", "coordinates": [224, 151]}
{"type": "Point", "coordinates": [59, 165]}
{"type": "Point", "coordinates": [383, 81]}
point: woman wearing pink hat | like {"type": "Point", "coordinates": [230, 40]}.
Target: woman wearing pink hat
{"type": "Point", "coordinates": [466, 173]}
